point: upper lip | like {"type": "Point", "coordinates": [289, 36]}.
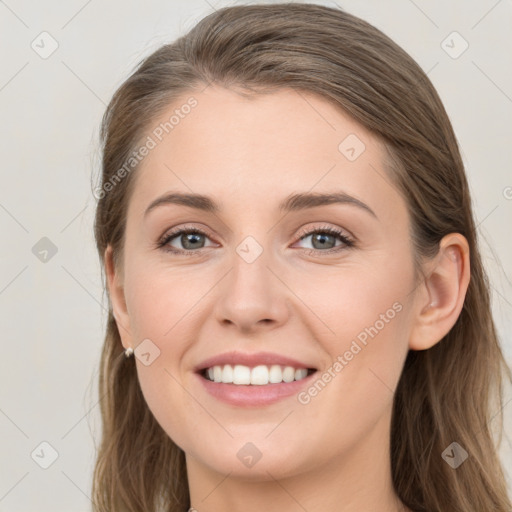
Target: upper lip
{"type": "Point", "coordinates": [251, 360]}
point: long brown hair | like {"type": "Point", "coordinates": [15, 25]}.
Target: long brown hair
{"type": "Point", "coordinates": [449, 393]}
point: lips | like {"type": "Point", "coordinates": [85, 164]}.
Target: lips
{"type": "Point", "coordinates": [251, 360]}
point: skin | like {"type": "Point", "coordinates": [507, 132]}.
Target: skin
{"type": "Point", "coordinates": [331, 454]}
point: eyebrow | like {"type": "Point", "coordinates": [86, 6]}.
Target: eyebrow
{"type": "Point", "coordinates": [294, 202]}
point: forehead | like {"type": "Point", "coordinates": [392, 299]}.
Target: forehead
{"type": "Point", "coordinates": [259, 148]}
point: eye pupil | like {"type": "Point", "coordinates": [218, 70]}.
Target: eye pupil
{"type": "Point", "coordinates": [190, 238]}
{"type": "Point", "coordinates": [321, 237]}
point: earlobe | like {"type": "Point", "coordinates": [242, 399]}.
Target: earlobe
{"type": "Point", "coordinates": [117, 298]}
{"type": "Point", "coordinates": [440, 301]}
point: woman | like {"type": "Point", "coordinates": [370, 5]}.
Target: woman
{"type": "Point", "coordinates": [294, 278]}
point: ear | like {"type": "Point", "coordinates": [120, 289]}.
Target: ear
{"type": "Point", "coordinates": [442, 293]}
{"type": "Point", "coordinates": [117, 298]}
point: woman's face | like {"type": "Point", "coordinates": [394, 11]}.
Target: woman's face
{"type": "Point", "coordinates": [264, 275]}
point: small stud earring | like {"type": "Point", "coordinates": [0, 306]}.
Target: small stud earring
{"type": "Point", "coordinates": [128, 352]}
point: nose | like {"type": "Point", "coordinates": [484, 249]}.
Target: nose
{"type": "Point", "coordinates": [252, 297]}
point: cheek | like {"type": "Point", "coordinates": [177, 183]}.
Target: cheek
{"type": "Point", "coordinates": [163, 306]}
{"type": "Point", "coordinates": [161, 300]}
{"type": "Point", "coordinates": [360, 301]}
{"type": "Point", "coordinates": [362, 318]}
{"type": "Point", "coordinates": [369, 315]}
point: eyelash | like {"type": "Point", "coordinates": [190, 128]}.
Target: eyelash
{"type": "Point", "coordinates": [348, 243]}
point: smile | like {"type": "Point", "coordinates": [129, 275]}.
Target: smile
{"type": "Point", "coordinates": [254, 395]}
{"type": "Point", "coordinates": [260, 375]}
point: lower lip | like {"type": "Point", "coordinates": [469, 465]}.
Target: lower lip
{"type": "Point", "coordinates": [253, 395]}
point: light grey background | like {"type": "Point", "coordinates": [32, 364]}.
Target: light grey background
{"type": "Point", "coordinates": [53, 312]}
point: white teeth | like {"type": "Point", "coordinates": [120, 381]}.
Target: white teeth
{"type": "Point", "coordinates": [257, 376]}
{"type": "Point", "coordinates": [300, 374]}
{"type": "Point", "coordinates": [217, 373]}
{"type": "Point", "coordinates": [289, 374]}
{"type": "Point", "coordinates": [241, 374]}
{"type": "Point", "coordinates": [227, 374]}
{"type": "Point", "coordinates": [276, 374]}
